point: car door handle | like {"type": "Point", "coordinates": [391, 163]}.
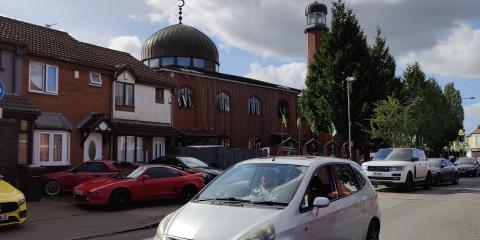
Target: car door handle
{"type": "Point", "coordinates": [96, 175]}
{"type": "Point", "coordinates": [364, 198]}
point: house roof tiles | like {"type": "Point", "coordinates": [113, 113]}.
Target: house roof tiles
{"type": "Point", "coordinates": [51, 43]}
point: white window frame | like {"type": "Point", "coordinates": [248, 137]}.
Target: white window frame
{"type": "Point", "coordinates": [65, 148]}
{"type": "Point", "coordinates": [99, 77]}
{"type": "Point", "coordinates": [45, 80]}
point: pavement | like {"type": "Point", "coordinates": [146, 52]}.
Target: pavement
{"type": "Point", "coordinates": [60, 218]}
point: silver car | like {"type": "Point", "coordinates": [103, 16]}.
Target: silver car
{"type": "Point", "coordinates": [280, 198]}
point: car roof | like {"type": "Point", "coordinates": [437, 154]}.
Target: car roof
{"type": "Point", "coordinates": [296, 160]}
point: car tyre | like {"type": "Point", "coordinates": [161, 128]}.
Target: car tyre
{"type": "Point", "coordinates": [119, 199]}
{"type": "Point", "coordinates": [457, 179]}
{"type": "Point", "coordinates": [373, 232]}
{"type": "Point", "coordinates": [428, 182]}
{"type": "Point", "coordinates": [52, 188]}
{"type": "Point", "coordinates": [438, 180]}
{"type": "Point", "coordinates": [408, 185]}
{"type": "Point", "coordinates": [188, 193]}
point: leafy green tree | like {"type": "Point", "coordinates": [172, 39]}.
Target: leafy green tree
{"type": "Point", "coordinates": [393, 122]}
{"type": "Point", "coordinates": [454, 99]}
{"type": "Point", "coordinates": [344, 53]}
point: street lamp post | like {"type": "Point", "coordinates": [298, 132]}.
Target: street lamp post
{"type": "Point", "coordinates": [349, 82]}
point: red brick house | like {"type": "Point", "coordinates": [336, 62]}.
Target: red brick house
{"type": "Point", "coordinates": [67, 87]}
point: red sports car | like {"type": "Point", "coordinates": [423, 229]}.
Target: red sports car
{"type": "Point", "coordinates": [67, 180]}
{"type": "Point", "coordinates": [147, 182]}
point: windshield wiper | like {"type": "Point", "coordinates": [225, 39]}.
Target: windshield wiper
{"type": "Point", "coordinates": [270, 203]}
{"type": "Point", "coordinates": [229, 199]}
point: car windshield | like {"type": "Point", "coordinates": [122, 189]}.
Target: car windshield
{"type": "Point", "coordinates": [192, 162]}
{"type": "Point", "coordinates": [393, 155]}
{"type": "Point", "coordinates": [464, 161]}
{"type": "Point", "coordinates": [129, 173]}
{"type": "Point", "coordinates": [266, 184]}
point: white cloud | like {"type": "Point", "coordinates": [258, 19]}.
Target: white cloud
{"type": "Point", "coordinates": [265, 28]}
{"type": "Point", "coordinates": [456, 56]}
{"type": "Point", "coordinates": [129, 44]}
{"type": "Point", "coordinates": [472, 117]}
{"type": "Point", "coordinates": [291, 75]}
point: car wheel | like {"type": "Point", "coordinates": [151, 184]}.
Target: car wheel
{"type": "Point", "coordinates": [407, 186]}
{"type": "Point", "coordinates": [428, 182]}
{"type": "Point", "coordinates": [438, 180]}
{"type": "Point", "coordinates": [457, 179]}
{"type": "Point", "coordinates": [373, 231]}
{"type": "Point", "coordinates": [52, 188]}
{"type": "Point", "coordinates": [188, 193]}
{"type": "Point", "coordinates": [119, 199]}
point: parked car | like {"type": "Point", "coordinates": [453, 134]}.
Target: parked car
{"type": "Point", "coordinates": [404, 167]}
{"type": "Point", "coordinates": [191, 165]}
{"type": "Point", "coordinates": [443, 171]}
{"type": "Point", "coordinates": [13, 207]}
{"type": "Point", "coordinates": [147, 182]}
{"type": "Point", "coordinates": [280, 198]}
{"type": "Point", "coordinates": [467, 166]}
{"type": "Point", "coordinates": [64, 181]}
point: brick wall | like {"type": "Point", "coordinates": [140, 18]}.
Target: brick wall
{"type": "Point", "coordinates": [75, 99]}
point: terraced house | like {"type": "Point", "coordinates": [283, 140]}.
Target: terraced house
{"type": "Point", "coordinates": [69, 101]}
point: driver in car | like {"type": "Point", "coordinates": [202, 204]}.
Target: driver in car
{"type": "Point", "coordinates": [263, 191]}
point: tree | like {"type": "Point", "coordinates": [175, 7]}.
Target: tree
{"type": "Point", "coordinates": [454, 99]}
{"type": "Point", "coordinates": [381, 74]}
{"type": "Point", "coordinates": [430, 107]}
{"type": "Point", "coordinates": [393, 122]}
{"type": "Point", "coordinates": [344, 53]}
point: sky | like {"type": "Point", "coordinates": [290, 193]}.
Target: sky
{"type": "Point", "coordinates": [264, 39]}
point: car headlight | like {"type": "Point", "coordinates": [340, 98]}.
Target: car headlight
{"type": "Point", "coordinates": [396, 168]}
{"type": "Point", "coordinates": [162, 226]}
{"type": "Point", "coordinates": [21, 201]}
{"type": "Point", "coordinates": [263, 232]}
{"type": "Point", "coordinates": [364, 167]}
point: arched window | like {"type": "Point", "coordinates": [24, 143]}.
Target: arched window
{"type": "Point", "coordinates": [254, 142]}
{"type": "Point", "coordinates": [223, 102]}
{"type": "Point", "coordinates": [282, 109]}
{"type": "Point", "coordinates": [224, 140]}
{"type": "Point", "coordinates": [254, 107]}
{"type": "Point", "coordinates": [185, 98]}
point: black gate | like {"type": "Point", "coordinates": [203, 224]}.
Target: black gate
{"type": "Point", "coordinates": [8, 150]}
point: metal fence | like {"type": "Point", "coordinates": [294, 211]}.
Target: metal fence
{"type": "Point", "coordinates": [221, 157]}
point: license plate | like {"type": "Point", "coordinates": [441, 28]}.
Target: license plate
{"type": "Point", "coordinates": [3, 217]}
{"type": "Point", "coordinates": [78, 192]}
{"type": "Point", "coordinates": [378, 174]}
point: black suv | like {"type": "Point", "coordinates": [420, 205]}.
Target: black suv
{"type": "Point", "coordinates": [189, 164]}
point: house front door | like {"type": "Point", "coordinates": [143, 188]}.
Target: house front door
{"type": "Point", "coordinates": [92, 148]}
{"type": "Point", "coordinates": [158, 145]}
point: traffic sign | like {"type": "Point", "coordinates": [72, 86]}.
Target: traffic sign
{"type": "Point", "coordinates": [2, 90]}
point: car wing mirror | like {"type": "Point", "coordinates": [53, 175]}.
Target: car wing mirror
{"type": "Point", "coordinates": [415, 159]}
{"type": "Point", "coordinates": [143, 178]}
{"type": "Point", "coordinates": [442, 166]}
{"type": "Point", "coordinates": [319, 202]}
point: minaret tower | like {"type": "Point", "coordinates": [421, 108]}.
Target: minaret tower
{"type": "Point", "coordinates": [316, 14]}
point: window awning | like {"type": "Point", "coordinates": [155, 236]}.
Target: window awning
{"type": "Point", "coordinates": [14, 105]}
{"type": "Point", "coordinates": [52, 121]}
{"type": "Point", "coordinates": [201, 133]}
{"type": "Point", "coordinates": [96, 122]}
{"type": "Point", "coordinates": [141, 128]}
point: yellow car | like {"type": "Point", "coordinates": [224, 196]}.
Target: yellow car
{"type": "Point", "coordinates": [13, 208]}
